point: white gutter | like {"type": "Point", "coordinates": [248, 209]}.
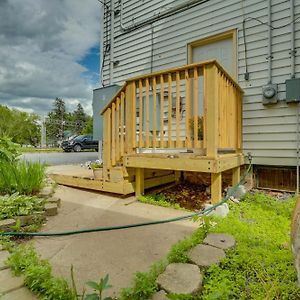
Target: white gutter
{"type": "Point", "coordinates": [161, 15]}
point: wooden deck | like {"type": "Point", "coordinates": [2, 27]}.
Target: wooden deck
{"type": "Point", "coordinates": [181, 119]}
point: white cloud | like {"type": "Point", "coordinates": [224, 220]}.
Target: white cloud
{"type": "Point", "coordinates": [41, 42]}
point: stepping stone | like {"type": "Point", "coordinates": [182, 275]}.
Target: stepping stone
{"type": "Point", "coordinates": [55, 200]}
{"type": "Point", "coordinates": [9, 282]}
{"type": "Point", "coordinates": [5, 225]}
{"type": "Point", "coordinates": [205, 255]}
{"type": "Point", "coordinates": [161, 295]}
{"type": "Point", "coordinates": [50, 209]}
{"type": "Point", "coordinates": [22, 294]}
{"type": "Point", "coordinates": [220, 240]}
{"type": "Point", "coordinates": [3, 257]}
{"type": "Point", "coordinates": [179, 278]}
{"type": "Point", "coordinates": [46, 192]}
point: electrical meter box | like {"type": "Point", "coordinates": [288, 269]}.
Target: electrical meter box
{"type": "Point", "coordinates": [292, 90]}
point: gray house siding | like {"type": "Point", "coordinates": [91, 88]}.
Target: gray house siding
{"type": "Point", "coordinates": [269, 132]}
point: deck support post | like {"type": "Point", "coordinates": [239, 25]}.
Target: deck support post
{"type": "Point", "coordinates": [139, 182]}
{"type": "Point", "coordinates": [236, 174]}
{"type": "Point", "coordinates": [216, 187]}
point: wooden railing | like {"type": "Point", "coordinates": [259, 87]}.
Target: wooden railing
{"type": "Point", "coordinates": [196, 107]}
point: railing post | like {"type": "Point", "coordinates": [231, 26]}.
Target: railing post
{"type": "Point", "coordinates": [211, 115]}
{"type": "Point", "coordinates": [129, 117]}
{"type": "Point", "coordinates": [106, 143]}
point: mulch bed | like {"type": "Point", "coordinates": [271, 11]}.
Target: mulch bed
{"type": "Point", "coordinates": [187, 195]}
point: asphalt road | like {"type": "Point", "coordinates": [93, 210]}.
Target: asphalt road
{"type": "Point", "coordinates": [61, 158]}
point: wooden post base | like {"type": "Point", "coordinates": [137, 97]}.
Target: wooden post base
{"type": "Point", "coordinates": [139, 182]}
{"type": "Point", "coordinates": [216, 187]}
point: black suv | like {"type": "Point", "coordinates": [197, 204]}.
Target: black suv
{"type": "Point", "coordinates": [79, 143]}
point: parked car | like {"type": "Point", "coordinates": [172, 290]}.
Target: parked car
{"type": "Point", "coordinates": [80, 142]}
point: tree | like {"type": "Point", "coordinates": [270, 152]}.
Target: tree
{"type": "Point", "coordinates": [21, 127]}
{"type": "Point", "coordinates": [56, 122]}
{"type": "Point", "coordinates": [79, 119]}
{"type": "Point", "coordinates": [88, 128]}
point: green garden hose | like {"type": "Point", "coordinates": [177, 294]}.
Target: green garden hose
{"type": "Point", "coordinates": [110, 228]}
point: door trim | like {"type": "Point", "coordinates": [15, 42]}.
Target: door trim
{"type": "Point", "coordinates": [215, 38]}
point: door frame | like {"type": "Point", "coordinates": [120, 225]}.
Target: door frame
{"type": "Point", "coordinates": [216, 38]}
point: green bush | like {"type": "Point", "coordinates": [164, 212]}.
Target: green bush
{"type": "Point", "coordinates": [38, 275]}
{"type": "Point", "coordinates": [19, 205]}
{"type": "Point", "coordinates": [21, 176]}
{"type": "Point", "coordinates": [9, 150]}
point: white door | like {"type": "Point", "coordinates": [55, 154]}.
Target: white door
{"type": "Point", "coordinates": [222, 51]}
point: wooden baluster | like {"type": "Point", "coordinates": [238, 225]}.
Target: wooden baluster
{"type": "Point", "coordinates": [134, 115]}
{"type": "Point", "coordinates": [154, 111]}
{"type": "Point", "coordinates": [169, 110]}
{"type": "Point", "coordinates": [113, 134]}
{"type": "Point", "coordinates": [141, 114]}
{"type": "Point", "coordinates": [107, 143]}
{"type": "Point", "coordinates": [118, 152]}
{"type": "Point", "coordinates": [212, 109]}
{"type": "Point", "coordinates": [122, 124]}
{"type": "Point", "coordinates": [129, 117]}
{"type": "Point", "coordinates": [147, 113]}
{"type": "Point", "coordinates": [196, 100]}
{"type": "Point", "coordinates": [162, 100]}
{"type": "Point", "coordinates": [187, 109]}
{"type": "Point", "coordinates": [177, 109]}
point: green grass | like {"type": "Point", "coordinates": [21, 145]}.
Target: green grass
{"type": "Point", "coordinates": [21, 177]}
{"type": "Point", "coordinates": [260, 267]}
{"type": "Point", "coordinates": [44, 150]}
{"type": "Point", "coordinates": [38, 275]}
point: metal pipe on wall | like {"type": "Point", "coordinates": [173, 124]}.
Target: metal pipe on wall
{"type": "Point", "coordinates": [293, 50]}
{"type": "Point", "coordinates": [270, 41]}
{"type": "Point", "coordinates": [112, 23]}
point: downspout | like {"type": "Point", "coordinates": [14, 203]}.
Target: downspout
{"type": "Point", "coordinates": [112, 23]}
{"type": "Point", "coordinates": [269, 42]}
{"type": "Point", "coordinates": [298, 147]}
{"type": "Point", "coordinates": [157, 16]}
{"type": "Point", "coordinates": [293, 50]}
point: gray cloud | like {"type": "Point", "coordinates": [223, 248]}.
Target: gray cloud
{"type": "Point", "coordinates": [40, 44]}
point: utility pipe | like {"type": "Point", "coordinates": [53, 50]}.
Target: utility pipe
{"type": "Point", "coordinates": [161, 15]}
{"type": "Point", "coordinates": [269, 41]}
{"type": "Point", "coordinates": [112, 23]}
{"type": "Point", "coordinates": [298, 148]}
{"type": "Point", "coordinates": [293, 50]}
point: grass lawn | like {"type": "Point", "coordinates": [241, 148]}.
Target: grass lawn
{"type": "Point", "coordinates": [260, 266]}
{"type": "Point", "coordinates": [33, 149]}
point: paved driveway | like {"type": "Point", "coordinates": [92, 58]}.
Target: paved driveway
{"type": "Point", "coordinates": [61, 158]}
{"type": "Point", "coordinates": [119, 253]}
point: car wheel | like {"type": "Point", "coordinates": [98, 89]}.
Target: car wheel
{"type": "Point", "coordinates": [77, 148]}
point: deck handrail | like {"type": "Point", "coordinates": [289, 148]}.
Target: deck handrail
{"type": "Point", "coordinates": [131, 117]}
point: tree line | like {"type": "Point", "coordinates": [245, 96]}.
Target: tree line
{"type": "Point", "coordinates": [26, 128]}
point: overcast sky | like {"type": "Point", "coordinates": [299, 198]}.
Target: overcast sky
{"type": "Point", "coordinates": [48, 49]}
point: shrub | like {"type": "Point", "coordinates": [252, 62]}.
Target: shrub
{"type": "Point", "coordinates": [9, 150]}
{"type": "Point", "coordinates": [21, 176]}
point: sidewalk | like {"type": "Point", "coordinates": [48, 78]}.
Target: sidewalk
{"type": "Point", "coordinates": [119, 253]}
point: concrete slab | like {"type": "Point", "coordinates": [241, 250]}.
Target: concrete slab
{"type": "Point", "coordinates": [9, 282]}
{"type": "Point", "coordinates": [20, 294]}
{"type": "Point", "coordinates": [3, 257]}
{"type": "Point", "coordinates": [119, 253]}
{"type": "Point", "coordinates": [73, 170]}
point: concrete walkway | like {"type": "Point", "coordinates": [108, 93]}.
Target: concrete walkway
{"type": "Point", "coordinates": [11, 287]}
{"type": "Point", "coordinates": [119, 253]}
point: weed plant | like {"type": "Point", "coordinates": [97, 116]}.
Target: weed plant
{"type": "Point", "coordinates": [38, 275]}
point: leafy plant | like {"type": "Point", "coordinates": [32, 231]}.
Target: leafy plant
{"type": "Point", "coordinates": [96, 165]}
{"type": "Point", "coordinates": [21, 176]}
{"type": "Point", "coordinates": [38, 275]}
{"type": "Point", "coordinates": [19, 205]}
{"type": "Point", "coordinates": [99, 288]}
{"type": "Point", "coordinates": [9, 150]}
